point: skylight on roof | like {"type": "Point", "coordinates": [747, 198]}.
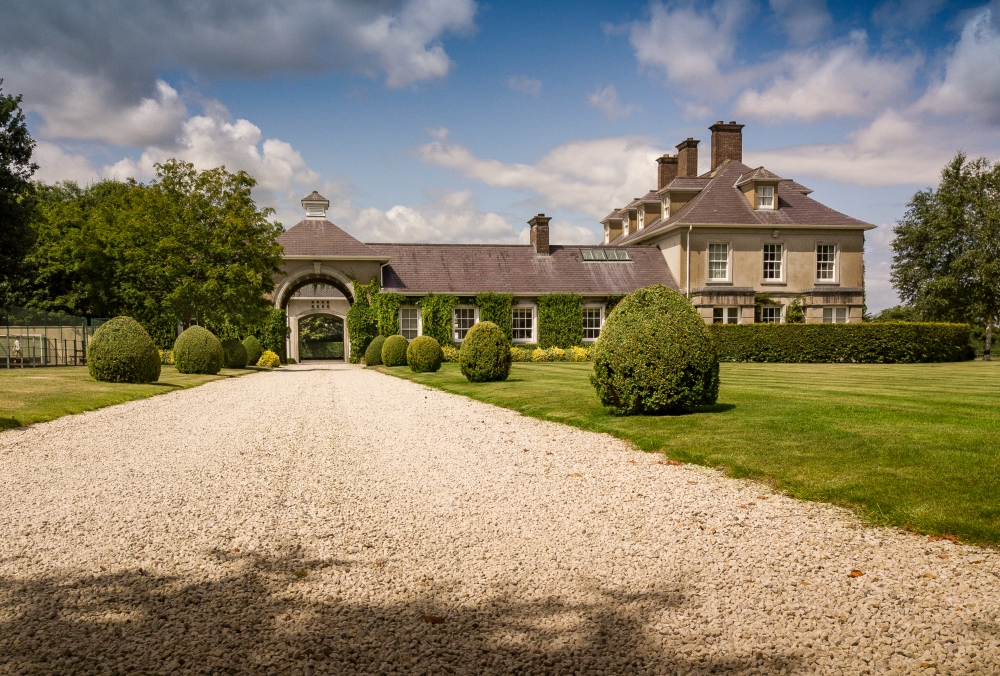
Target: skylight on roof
{"type": "Point", "coordinates": [605, 255]}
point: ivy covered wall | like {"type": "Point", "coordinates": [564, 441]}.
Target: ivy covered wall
{"type": "Point", "coordinates": [435, 316]}
{"type": "Point", "coordinates": [560, 320]}
{"type": "Point", "coordinates": [386, 308]}
{"type": "Point", "coordinates": [362, 324]}
{"type": "Point", "coordinates": [496, 308]}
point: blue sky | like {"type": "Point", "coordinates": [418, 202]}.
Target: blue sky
{"type": "Point", "coordinates": [451, 120]}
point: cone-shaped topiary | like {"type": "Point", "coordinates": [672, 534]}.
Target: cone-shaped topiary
{"type": "Point", "coordinates": [254, 349]}
{"type": "Point", "coordinates": [234, 354]}
{"type": "Point", "coordinates": [655, 355]}
{"type": "Point", "coordinates": [394, 351]}
{"type": "Point", "coordinates": [485, 353]}
{"type": "Point", "coordinates": [122, 352]}
{"type": "Point", "coordinates": [373, 355]}
{"type": "Point", "coordinates": [424, 355]}
{"type": "Point", "coordinates": [197, 350]}
{"type": "Point", "coordinates": [269, 360]}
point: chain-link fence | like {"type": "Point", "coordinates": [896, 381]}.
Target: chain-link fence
{"type": "Point", "coordinates": [39, 338]}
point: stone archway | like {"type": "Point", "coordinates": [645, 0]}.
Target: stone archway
{"type": "Point", "coordinates": [334, 305]}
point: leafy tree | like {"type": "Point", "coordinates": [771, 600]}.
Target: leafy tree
{"type": "Point", "coordinates": [16, 169]}
{"type": "Point", "coordinates": [897, 313]}
{"type": "Point", "coordinates": [321, 328]}
{"type": "Point", "coordinates": [946, 261]}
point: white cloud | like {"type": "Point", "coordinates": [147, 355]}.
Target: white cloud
{"type": "Point", "coordinates": [55, 164]}
{"type": "Point", "coordinates": [588, 177]}
{"type": "Point", "coordinates": [450, 217]}
{"type": "Point", "coordinates": [837, 81]}
{"type": "Point", "coordinates": [805, 21]}
{"type": "Point", "coordinates": [525, 85]}
{"type": "Point", "coordinates": [606, 101]}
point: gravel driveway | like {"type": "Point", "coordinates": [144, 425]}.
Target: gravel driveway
{"type": "Point", "coordinates": [328, 519]}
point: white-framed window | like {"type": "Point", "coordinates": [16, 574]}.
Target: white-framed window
{"type": "Point", "coordinates": [773, 254]}
{"type": "Point", "coordinates": [463, 319]}
{"type": "Point", "coordinates": [523, 323]}
{"type": "Point", "coordinates": [835, 315]}
{"type": "Point", "coordinates": [642, 217]}
{"type": "Point", "coordinates": [718, 262]}
{"type": "Point", "coordinates": [770, 314]}
{"type": "Point", "coordinates": [593, 321]}
{"type": "Point", "coordinates": [765, 197]}
{"type": "Point", "coordinates": [826, 262]}
{"type": "Point", "coordinates": [409, 322]}
{"type": "Point", "coordinates": [666, 208]}
{"type": "Point", "coordinates": [725, 315]}
{"type": "Point", "coordinates": [607, 234]}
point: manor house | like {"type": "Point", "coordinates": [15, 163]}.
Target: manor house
{"type": "Point", "coordinates": [742, 243]}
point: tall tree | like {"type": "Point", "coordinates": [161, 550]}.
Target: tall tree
{"type": "Point", "coordinates": [16, 169]}
{"type": "Point", "coordinates": [946, 261]}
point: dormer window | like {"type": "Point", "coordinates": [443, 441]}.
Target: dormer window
{"type": "Point", "coordinates": [642, 218]}
{"type": "Point", "coordinates": [765, 197]}
{"type": "Point", "coordinates": [666, 208]}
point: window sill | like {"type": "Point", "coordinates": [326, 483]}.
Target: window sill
{"type": "Point", "coordinates": [773, 282]}
{"type": "Point", "coordinates": [826, 282]}
{"type": "Point", "coordinates": [720, 282]}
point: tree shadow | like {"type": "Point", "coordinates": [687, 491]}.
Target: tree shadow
{"type": "Point", "coordinates": [9, 423]}
{"type": "Point", "coordinates": [268, 614]}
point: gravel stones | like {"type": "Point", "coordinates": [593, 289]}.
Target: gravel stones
{"type": "Point", "coordinates": [310, 520]}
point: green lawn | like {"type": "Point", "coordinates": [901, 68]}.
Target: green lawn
{"type": "Point", "coordinates": [915, 445]}
{"type": "Point", "coordinates": [35, 395]}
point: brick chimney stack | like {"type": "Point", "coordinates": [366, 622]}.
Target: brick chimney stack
{"type": "Point", "coordinates": [727, 142]}
{"type": "Point", "coordinates": [687, 158]}
{"type": "Point", "coordinates": [666, 171]}
{"type": "Point", "coordinates": [540, 234]}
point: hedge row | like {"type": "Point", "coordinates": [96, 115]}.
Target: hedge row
{"type": "Point", "coordinates": [866, 343]}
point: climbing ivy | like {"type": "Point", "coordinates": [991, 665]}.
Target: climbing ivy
{"type": "Point", "coordinates": [435, 311]}
{"type": "Point", "coordinates": [496, 308]}
{"type": "Point", "coordinates": [560, 320]}
{"type": "Point", "coordinates": [362, 324]}
{"type": "Point", "coordinates": [386, 308]}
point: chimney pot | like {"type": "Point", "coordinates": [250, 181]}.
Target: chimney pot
{"type": "Point", "coordinates": [540, 234]}
{"type": "Point", "coordinates": [687, 158]}
{"type": "Point", "coordinates": [727, 143]}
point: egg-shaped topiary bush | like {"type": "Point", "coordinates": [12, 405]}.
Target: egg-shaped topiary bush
{"type": "Point", "coordinates": [269, 360]}
{"type": "Point", "coordinates": [394, 351]}
{"type": "Point", "coordinates": [254, 349]}
{"type": "Point", "coordinates": [122, 352]}
{"type": "Point", "coordinates": [197, 350]}
{"type": "Point", "coordinates": [234, 354]}
{"type": "Point", "coordinates": [485, 354]}
{"type": "Point", "coordinates": [655, 355]}
{"type": "Point", "coordinates": [373, 353]}
{"type": "Point", "coordinates": [424, 355]}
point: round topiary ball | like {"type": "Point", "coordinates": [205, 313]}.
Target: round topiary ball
{"type": "Point", "coordinates": [655, 355]}
{"type": "Point", "coordinates": [394, 351]}
{"type": "Point", "coordinates": [424, 355]}
{"type": "Point", "coordinates": [122, 352]}
{"type": "Point", "coordinates": [485, 354]}
{"type": "Point", "coordinates": [254, 349]}
{"type": "Point", "coordinates": [197, 350]}
{"type": "Point", "coordinates": [234, 354]}
{"type": "Point", "coordinates": [373, 354]}
{"type": "Point", "coordinates": [269, 360]}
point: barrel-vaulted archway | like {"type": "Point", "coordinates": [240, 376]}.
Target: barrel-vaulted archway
{"type": "Point", "coordinates": [321, 275]}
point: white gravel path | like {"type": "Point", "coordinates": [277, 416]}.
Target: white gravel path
{"type": "Point", "coordinates": [328, 519]}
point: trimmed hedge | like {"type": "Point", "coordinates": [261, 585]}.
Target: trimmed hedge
{"type": "Point", "coordinates": [234, 354]}
{"type": "Point", "coordinates": [254, 349]}
{"type": "Point", "coordinates": [121, 351]}
{"type": "Point", "coordinates": [197, 350]}
{"type": "Point", "coordinates": [373, 355]}
{"type": "Point", "coordinates": [424, 355]}
{"type": "Point", "coordinates": [560, 320]}
{"type": "Point", "coordinates": [865, 343]}
{"type": "Point", "coordinates": [485, 354]}
{"type": "Point", "coordinates": [655, 355]}
{"type": "Point", "coordinates": [394, 351]}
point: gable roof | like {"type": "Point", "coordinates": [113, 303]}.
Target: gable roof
{"type": "Point", "coordinates": [320, 237]}
{"type": "Point", "coordinates": [467, 269]}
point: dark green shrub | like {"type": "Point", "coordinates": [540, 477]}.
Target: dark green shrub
{"type": "Point", "coordinates": [254, 349]}
{"type": "Point", "coordinates": [394, 351]}
{"type": "Point", "coordinates": [234, 354]}
{"type": "Point", "coordinates": [322, 350]}
{"type": "Point", "coordinates": [424, 355]}
{"type": "Point", "coordinates": [373, 355]}
{"type": "Point", "coordinates": [197, 350]}
{"type": "Point", "coordinates": [485, 354]}
{"type": "Point", "coordinates": [122, 352]}
{"type": "Point", "coordinates": [655, 355]}
{"type": "Point", "coordinates": [560, 320]}
{"type": "Point", "coordinates": [865, 343]}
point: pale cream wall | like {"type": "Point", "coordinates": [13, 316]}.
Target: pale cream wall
{"type": "Point", "coordinates": [672, 253]}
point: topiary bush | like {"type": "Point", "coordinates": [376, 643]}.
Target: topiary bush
{"type": "Point", "coordinates": [269, 360]}
{"type": "Point", "coordinates": [254, 350]}
{"type": "Point", "coordinates": [424, 355]}
{"type": "Point", "coordinates": [122, 352]}
{"type": "Point", "coordinates": [234, 354]}
{"type": "Point", "coordinates": [485, 354]}
{"type": "Point", "coordinates": [197, 350]}
{"type": "Point", "coordinates": [655, 355]}
{"type": "Point", "coordinates": [373, 354]}
{"type": "Point", "coordinates": [394, 351]}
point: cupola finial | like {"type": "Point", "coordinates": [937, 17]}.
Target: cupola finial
{"type": "Point", "coordinates": [315, 205]}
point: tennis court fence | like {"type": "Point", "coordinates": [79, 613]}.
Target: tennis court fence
{"type": "Point", "coordinates": [30, 338]}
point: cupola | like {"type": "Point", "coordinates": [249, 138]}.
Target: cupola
{"type": "Point", "coordinates": [315, 206]}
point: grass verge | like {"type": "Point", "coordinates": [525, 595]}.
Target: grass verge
{"type": "Point", "coordinates": [910, 445]}
{"type": "Point", "coordinates": [36, 395]}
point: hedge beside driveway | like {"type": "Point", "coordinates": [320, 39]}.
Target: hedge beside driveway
{"type": "Point", "coordinates": [866, 343]}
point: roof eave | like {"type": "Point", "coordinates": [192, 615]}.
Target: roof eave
{"type": "Point", "coordinates": [309, 257]}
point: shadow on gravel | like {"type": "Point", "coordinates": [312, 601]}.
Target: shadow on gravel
{"type": "Point", "coordinates": [267, 616]}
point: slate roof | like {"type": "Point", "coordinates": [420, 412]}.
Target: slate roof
{"type": "Point", "coordinates": [758, 174]}
{"type": "Point", "coordinates": [316, 237]}
{"type": "Point", "coordinates": [616, 214]}
{"type": "Point", "coordinates": [468, 269]}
